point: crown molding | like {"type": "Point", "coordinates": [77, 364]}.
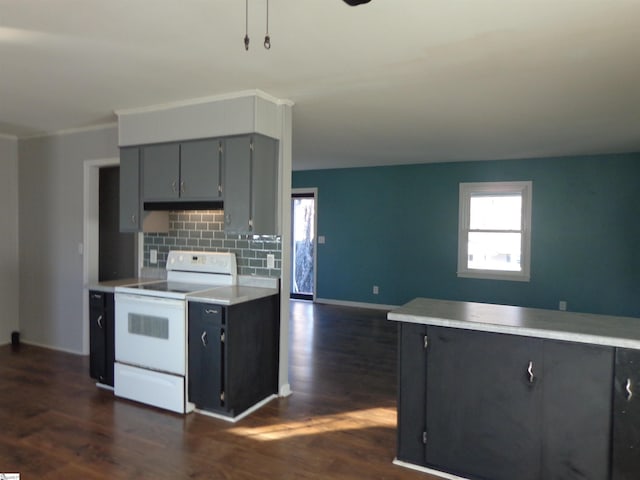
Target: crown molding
{"type": "Point", "coordinates": [208, 99]}
{"type": "Point", "coordinates": [70, 131]}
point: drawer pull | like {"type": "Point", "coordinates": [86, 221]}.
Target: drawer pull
{"type": "Point", "coordinates": [628, 389]}
{"type": "Point", "coordinates": [530, 372]}
{"type": "Point", "coordinates": [203, 338]}
{"type": "Point", "coordinates": [209, 311]}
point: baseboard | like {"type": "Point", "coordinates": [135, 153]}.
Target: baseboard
{"type": "Point", "coordinates": [49, 347]}
{"type": "Point", "coordinates": [346, 303]}
{"type": "Point", "coordinates": [237, 418]}
{"type": "Point", "coordinates": [285, 390]}
{"type": "Point", "coordinates": [430, 471]}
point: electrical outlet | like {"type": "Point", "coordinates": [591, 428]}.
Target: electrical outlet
{"type": "Point", "coordinates": [153, 256]}
{"type": "Point", "coordinates": [271, 260]}
{"type": "Point", "coordinates": [562, 305]}
{"type": "Point", "coordinates": [321, 239]}
{"type": "Point", "coordinates": [376, 290]}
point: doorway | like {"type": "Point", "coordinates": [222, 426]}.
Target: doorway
{"type": "Point", "coordinates": [116, 250]}
{"type": "Point", "coordinates": [303, 243]}
{"type": "Point", "coordinates": [90, 247]}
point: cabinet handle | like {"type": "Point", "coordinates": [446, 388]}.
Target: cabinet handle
{"type": "Point", "coordinates": [99, 321]}
{"type": "Point", "coordinates": [227, 218]}
{"type": "Point", "coordinates": [209, 311]}
{"type": "Point", "coordinates": [203, 338]}
{"type": "Point", "coordinates": [628, 389]}
{"type": "Point", "coordinates": [426, 342]}
{"type": "Point", "coordinates": [96, 295]}
{"type": "Point", "coordinates": [133, 219]}
{"type": "Point", "coordinates": [530, 372]}
{"type": "Point", "coordinates": [174, 186]}
{"type": "Point", "coordinates": [182, 189]}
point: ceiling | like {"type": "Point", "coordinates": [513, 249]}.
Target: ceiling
{"type": "Point", "coordinates": [392, 81]}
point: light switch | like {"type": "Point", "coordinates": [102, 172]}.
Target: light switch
{"type": "Point", "coordinates": [321, 239]}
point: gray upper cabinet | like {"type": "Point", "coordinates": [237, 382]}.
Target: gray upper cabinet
{"type": "Point", "coordinates": [200, 170]}
{"type": "Point", "coordinates": [130, 189]}
{"type": "Point", "coordinates": [186, 171]}
{"type": "Point", "coordinates": [250, 184]}
{"type": "Point", "coordinates": [161, 172]}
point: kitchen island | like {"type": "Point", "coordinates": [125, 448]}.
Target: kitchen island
{"type": "Point", "coordinates": [502, 392]}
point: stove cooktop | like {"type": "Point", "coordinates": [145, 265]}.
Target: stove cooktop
{"type": "Point", "coordinates": [172, 287]}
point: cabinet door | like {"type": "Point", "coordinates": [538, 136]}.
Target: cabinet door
{"type": "Point", "coordinates": [161, 172]}
{"type": "Point", "coordinates": [200, 170]}
{"type": "Point", "coordinates": [483, 407]}
{"type": "Point", "coordinates": [576, 382]}
{"type": "Point", "coordinates": [626, 416]}
{"type": "Point", "coordinates": [130, 190]}
{"type": "Point", "coordinates": [206, 356]}
{"type": "Point", "coordinates": [264, 183]}
{"type": "Point", "coordinates": [110, 344]}
{"type": "Point", "coordinates": [237, 184]}
{"type": "Point", "coordinates": [412, 379]}
{"type": "Point", "coordinates": [97, 336]}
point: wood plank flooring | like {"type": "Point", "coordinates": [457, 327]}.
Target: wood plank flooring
{"type": "Point", "coordinates": [339, 423]}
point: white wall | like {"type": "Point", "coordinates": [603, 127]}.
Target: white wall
{"type": "Point", "coordinates": [9, 267]}
{"type": "Point", "coordinates": [50, 174]}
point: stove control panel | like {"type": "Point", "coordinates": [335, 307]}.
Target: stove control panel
{"type": "Point", "coordinates": [206, 262]}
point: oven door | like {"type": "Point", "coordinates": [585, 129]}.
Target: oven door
{"type": "Point", "coordinates": [151, 332]}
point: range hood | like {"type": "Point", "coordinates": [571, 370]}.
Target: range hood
{"type": "Point", "coordinates": [183, 205]}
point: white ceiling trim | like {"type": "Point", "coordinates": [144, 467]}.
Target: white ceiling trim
{"type": "Point", "coordinates": [70, 131]}
{"type": "Point", "coordinates": [207, 99]}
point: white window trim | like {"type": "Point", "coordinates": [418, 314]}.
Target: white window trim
{"type": "Point", "coordinates": [466, 191]}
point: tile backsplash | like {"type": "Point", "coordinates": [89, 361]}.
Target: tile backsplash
{"type": "Point", "coordinates": [203, 230]}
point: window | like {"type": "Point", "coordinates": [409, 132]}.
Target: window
{"type": "Point", "coordinates": [494, 237]}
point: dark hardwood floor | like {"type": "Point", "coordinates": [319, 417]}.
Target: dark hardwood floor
{"type": "Point", "coordinates": [339, 422]}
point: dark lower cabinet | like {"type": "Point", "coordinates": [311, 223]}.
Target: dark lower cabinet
{"type": "Point", "coordinates": [412, 393]}
{"type": "Point", "coordinates": [101, 336]}
{"type": "Point", "coordinates": [626, 416]}
{"type": "Point", "coordinates": [206, 356]}
{"type": "Point", "coordinates": [233, 354]}
{"type": "Point", "coordinates": [493, 406]}
{"type": "Point", "coordinates": [483, 410]}
{"type": "Point", "coordinates": [576, 382]}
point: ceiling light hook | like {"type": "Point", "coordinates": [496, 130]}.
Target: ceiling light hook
{"type": "Point", "coordinates": [267, 38]}
{"type": "Point", "coordinates": [246, 25]}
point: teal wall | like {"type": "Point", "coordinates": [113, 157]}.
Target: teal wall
{"type": "Point", "coordinates": [396, 227]}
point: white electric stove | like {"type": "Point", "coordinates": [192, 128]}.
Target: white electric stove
{"type": "Point", "coordinates": [151, 328]}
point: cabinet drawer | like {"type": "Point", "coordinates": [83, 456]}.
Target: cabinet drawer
{"type": "Point", "coordinates": [96, 299]}
{"type": "Point", "coordinates": [208, 312]}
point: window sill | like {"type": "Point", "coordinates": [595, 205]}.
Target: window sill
{"type": "Point", "coordinates": [495, 275]}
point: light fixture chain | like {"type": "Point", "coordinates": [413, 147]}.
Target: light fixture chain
{"type": "Point", "coordinates": [246, 25]}
{"type": "Point", "coordinates": [267, 38]}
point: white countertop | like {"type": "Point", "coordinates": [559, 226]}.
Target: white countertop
{"type": "Point", "coordinates": [110, 285]}
{"type": "Point", "coordinates": [230, 295]}
{"type": "Point", "coordinates": [533, 322]}
{"type": "Point", "coordinates": [248, 288]}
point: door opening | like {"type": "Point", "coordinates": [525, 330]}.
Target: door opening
{"type": "Point", "coordinates": [303, 248]}
{"type": "Point", "coordinates": [116, 250]}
